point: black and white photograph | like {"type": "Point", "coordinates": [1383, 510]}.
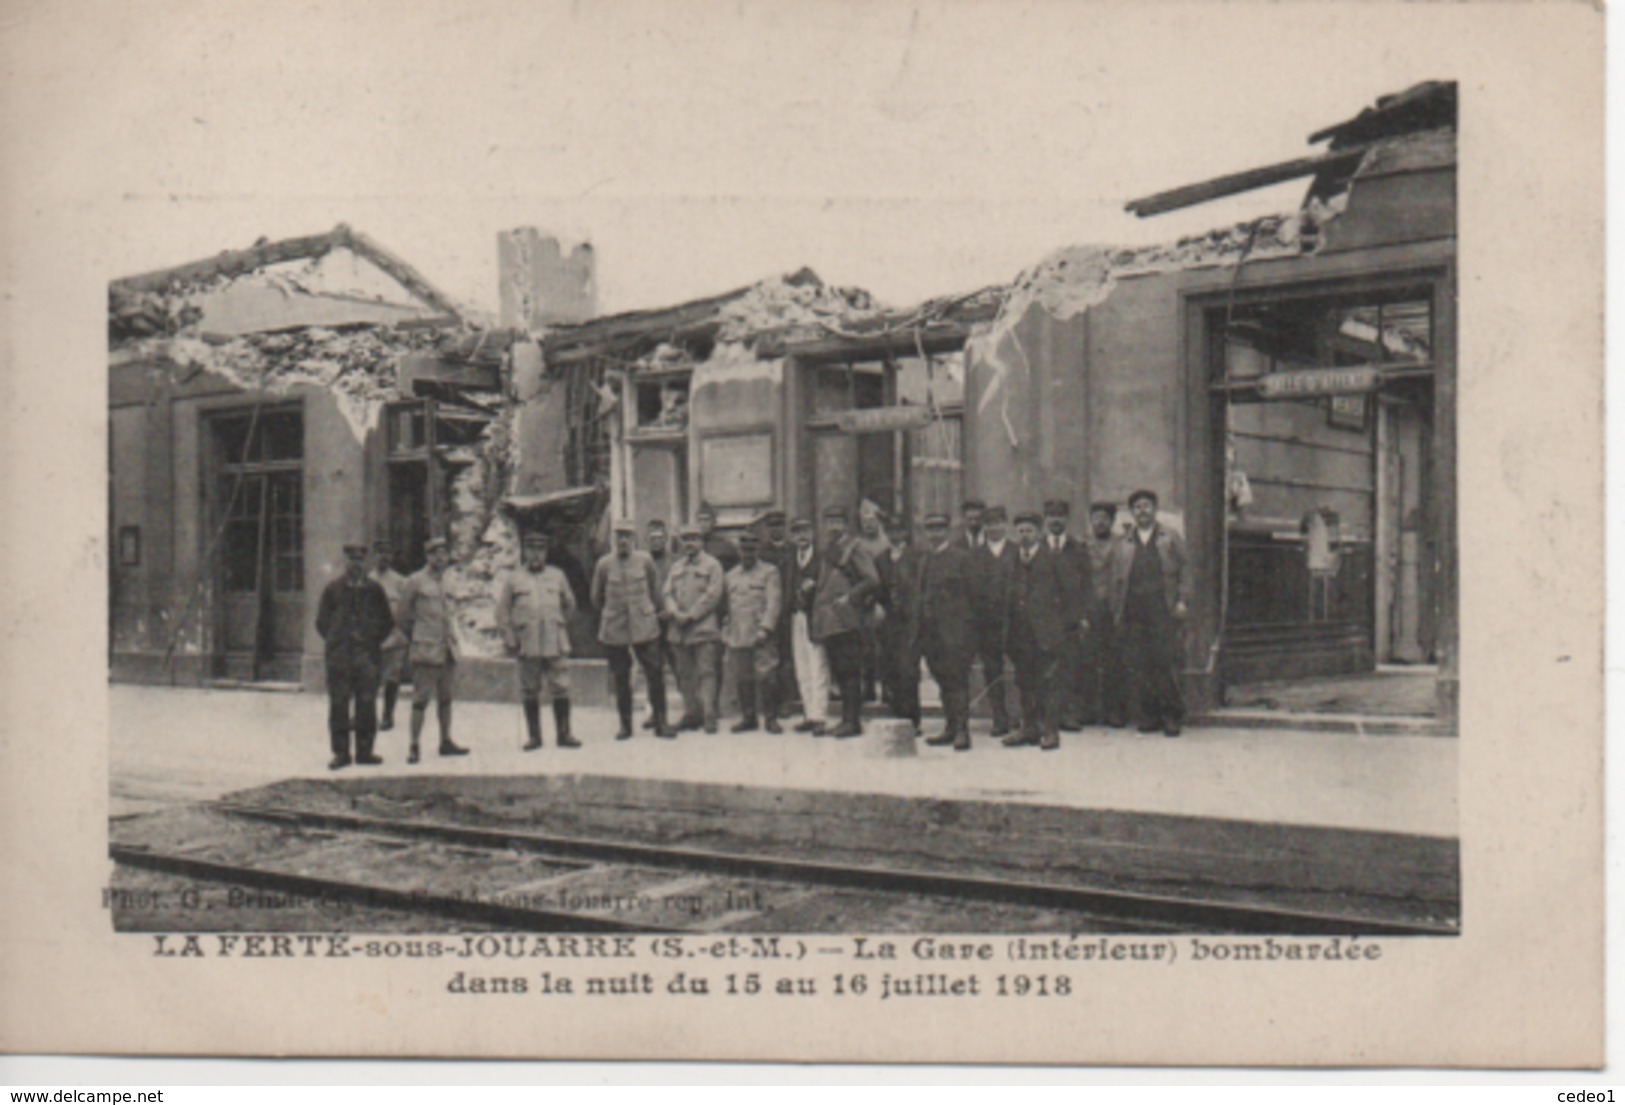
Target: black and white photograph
{"type": "Point", "coordinates": [915, 506]}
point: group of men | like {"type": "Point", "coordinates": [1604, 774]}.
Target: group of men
{"type": "Point", "coordinates": [1091, 628]}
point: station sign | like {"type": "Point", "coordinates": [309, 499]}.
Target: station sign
{"type": "Point", "coordinates": [879, 420]}
{"type": "Point", "coordinates": [1320, 381]}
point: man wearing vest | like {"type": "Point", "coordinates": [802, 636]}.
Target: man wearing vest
{"type": "Point", "coordinates": [533, 613]}
{"type": "Point", "coordinates": [847, 584]}
{"type": "Point", "coordinates": [428, 623]}
{"type": "Point", "coordinates": [353, 620]}
{"type": "Point", "coordinates": [1150, 599]}
{"type": "Point", "coordinates": [626, 592]}
{"type": "Point", "coordinates": [748, 630]}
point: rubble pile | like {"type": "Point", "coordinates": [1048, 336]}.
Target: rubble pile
{"type": "Point", "coordinates": [800, 299]}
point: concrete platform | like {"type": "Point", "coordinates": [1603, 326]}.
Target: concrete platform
{"type": "Point", "coordinates": [172, 745]}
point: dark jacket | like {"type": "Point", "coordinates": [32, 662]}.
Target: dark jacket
{"type": "Point", "coordinates": [993, 574]}
{"type": "Point", "coordinates": [798, 596]}
{"type": "Point", "coordinates": [1045, 602]}
{"type": "Point", "coordinates": [946, 596]}
{"type": "Point", "coordinates": [1177, 585]}
{"type": "Point", "coordinates": [353, 620]}
{"type": "Point", "coordinates": [847, 582]}
{"type": "Point", "coordinates": [1075, 557]}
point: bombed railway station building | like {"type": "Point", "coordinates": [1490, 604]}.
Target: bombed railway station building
{"type": "Point", "coordinates": [1285, 385]}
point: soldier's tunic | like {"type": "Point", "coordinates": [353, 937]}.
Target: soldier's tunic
{"type": "Point", "coordinates": [427, 622]}
{"type": "Point", "coordinates": [353, 620]}
{"type": "Point", "coordinates": [393, 665]}
{"type": "Point", "coordinates": [533, 613]}
{"type": "Point", "coordinates": [781, 556]}
{"type": "Point", "coordinates": [693, 593]}
{"type": "Point", "coordinates": [754, 596]}
{"type": "Point", "coordinates": [626, 591]}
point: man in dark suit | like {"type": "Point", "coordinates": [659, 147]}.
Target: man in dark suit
{"type": "Point", "coordinates": [1150, 596]}
{"type": "Point", "coordinates": [778, 551]}
{"type": "Point", "coordinates": [846, 588]}
{"type": "Point", "coordinates": [899, 568]}
{"type": "Point", "coordinates": [970, 524]}
{"type": "Point", "coordinates": [945, 620]}
{"type": "Point", "coordinates": [1074, 698]}
{"type": "Point", "coordinates": [994, 558]}
{"type": "Point", "coordinates": [1045, 606]}
{"type": "Point", "coordinates": [353, 619]}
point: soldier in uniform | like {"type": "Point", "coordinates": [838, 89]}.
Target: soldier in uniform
{"type": "Point", "coordinates": [656, 539]}
{"type": "Point", "coordinates": [427, 622]}
{"type": "Point", "coordinates": [533, 612]}
{"type": "Point", "coordinates": [393, 665]}
{"type": "Point", "coordinates": [626, 591]}
{"type": "Point", "coordinates": [754, 596]}
{"type": "Point", "coordinates": [811, 662]}
{"type": "Point", "coordinates": [847, 583]}
{"type": "Point", "coordinates": [693, 593]}
{"type": "Point", "coordinates": [1150, 598]}
{"type": "Point", "coordinates": [993, 559]}
{"type": "Point", "coordinates": [1045, 605]}
{"type": "Point", "coordinates": [779, 551]}
{"type": "Point", "coordinates": [1074, 701]}
{"type": "Point", "coordinates": [353, 619]}
{"type": "Point", "coordinates": [899, 572]}
{"type": "Point", "coordinates": [724, 551]}
{"type": "Point", "coordinates": [1102, 677]}
{"type": "Point", "coordinates": [944, 617]}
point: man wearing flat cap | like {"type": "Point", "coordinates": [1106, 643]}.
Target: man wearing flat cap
{"type": "Point", "coordinates": [1150, 600]}
{"type": "Point", "coordinates": [534, 605]}
{"type": "Point", "coordinates": [754, 595]}
{"type": "Point", "coordinates": [1102, 675]}
{"type": "Point", "coordinates": [693, 594]}
{"type": "Point", "coordinates": [353, 620]}
{"type": "Point", "coordinates": [429, 624]}
{"type": "Point", "coordinates": [393, 665]}
{"type": "Point", "coordinates": [1075, 558]}
{"type": "Point", "coordinates": [847, 585]}
{"type": "Point", "coordinates": [1045, 607]}
{"type": "Point", "coordinates": [626, 591]}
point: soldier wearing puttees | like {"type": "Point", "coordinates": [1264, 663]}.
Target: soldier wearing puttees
{"type": "Point", "coordinates": [1102, 673]}
{"type": "Point", "coordinates": [944, 617]}
{"type": "Point", "coordinates": [1150, 598]}
{"type": "Point", "coordinates": [692, 595]}
{"type": "Point", "coordinates": [1045, 606]}
{"type": "Point", "coordinates": [626, 591]}
{"type": "Point", "coordinates": [657, 542]}
{"type": "Point", "coordinates": [533, 612]}
{"type": "Point", "coordinates": [754, 597]}
{"type": "Point", "coordinates": [994, 559]}
{"type": "Point", "coordinates": [1074, 702]}
{"type": "Point", "coordinates": [353, 619]}
{"type": "Point", "coordinates": [392, 666]}
{"type": "Point", "coordinates": [847, 584]}
{"type": "Point", "coordinates": [427, 623]}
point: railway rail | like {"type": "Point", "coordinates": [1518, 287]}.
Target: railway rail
{"type": "Point", "coordinates": [537, 882]}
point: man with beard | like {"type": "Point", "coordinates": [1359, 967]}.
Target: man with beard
{"type": "Point", "coordinates": [846, 587]}
{"type": "Point", "coordinates": [1150, 597]}
{"type": "Point", "coordinates": [533, 612]}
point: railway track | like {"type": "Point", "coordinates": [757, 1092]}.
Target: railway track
{"type": "Point", "coordinates": [536, 882]}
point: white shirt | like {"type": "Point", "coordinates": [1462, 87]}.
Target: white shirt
{"type": "Point", "coordinates": [804, 556]}
{"type": "Point", "coordinates": [1057, 542]}
{"type": "Point", "coordinates": [997, 547]}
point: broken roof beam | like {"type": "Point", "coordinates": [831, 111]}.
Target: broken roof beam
{"type": "Point", "coordinates": [404, 274]}
{"type": "Point", "coordinates": [1192, 194]}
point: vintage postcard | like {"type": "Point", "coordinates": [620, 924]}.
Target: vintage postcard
{"type": "Point", "coordinates": [921, 532]}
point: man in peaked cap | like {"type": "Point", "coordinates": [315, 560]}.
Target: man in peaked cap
{"type": "Point", "coordinates": [429, 624]}
{"type": "Point", "coordinates": [1045, 606]}
{"type": "Point", "coordinates": [393, 664]}
{"type": "Point", "coordinates": [847, 585]}
{"type": "Point", "coordinates": [693, 594]}
{"type": "Point", "coordinates": [353, 619]}
{"type": "Point", "coordinates": [1075, 558]}
{"type": "Point", "coordinates": [1150, 599]}
{"type": "Point", "coordinates": [534, 605]}
{"type": "Point", "coordinates": [754, 597]}
{"type": "Point", "coordinates": [626, 592]}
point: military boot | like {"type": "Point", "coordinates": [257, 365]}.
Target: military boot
{"type": "Point", "coordinates": [561, 718]}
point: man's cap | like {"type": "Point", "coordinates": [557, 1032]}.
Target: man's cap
{"type": "Point", "coordinates": [355, 550]}
{"type": "Point", "coordinates": [688, 529]}
{"type": "Point", "coordinates": [973, 504]}
{"type": "Point", "coordinates": [748, 538]}
{"type": "Point", "coordinates": [535, 537]}
{"type": "Point", "coordinates": [434, 543]}
{"type": "Point", "coordinates": [994, 514]}
{"type": "Point", "coordinates": [1057, 508]}
{"type": "Point", "coordinates": [1030, 516]}
{"type": "Point", "coordinates": [382, 545]}
{"type": "Point", "coordinates": [801, 521]}
{"type": "Point", "coordinates": [836, 512]}
{"type": "Point", "coordinates": [1142, 494]}
{"type": "Point", "coordinates": [624, 525]}
{"type": "Point", "coordinates": [657, 523]}
{"type": "Point", "coordinates": [937, 518]}
{"type": "Point", "coordinates": [1103, 507]}
{"type": "Point", "coordinates": [773, 518]}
